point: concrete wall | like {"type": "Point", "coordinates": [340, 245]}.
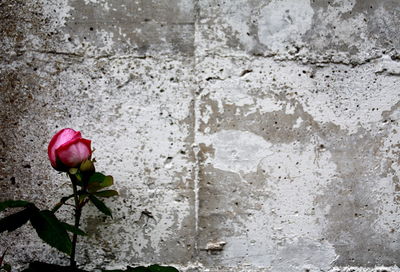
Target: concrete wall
{"type": "Point", "coordinates": [260, 135]}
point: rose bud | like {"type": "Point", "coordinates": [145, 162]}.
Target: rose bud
{"type": "Point", "coordinates": [68, 149]}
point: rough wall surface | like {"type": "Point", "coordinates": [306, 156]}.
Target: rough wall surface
{"type": "Point", "coordinates": [261, 135]}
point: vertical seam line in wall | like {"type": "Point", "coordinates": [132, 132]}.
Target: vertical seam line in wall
{"type": "Point", "coordinates": [196, 149]}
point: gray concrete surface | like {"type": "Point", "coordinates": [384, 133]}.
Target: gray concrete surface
{"type": "Point", "coordinates": [260, 135]}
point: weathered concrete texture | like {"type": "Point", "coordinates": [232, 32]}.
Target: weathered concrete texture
{"type": "Point", "coordinates": [242, 135]}
{"type": "Point", "coordinates": [142, 27]}
{"type": "Point", "coordinates": [303, 190]}
{"type": "Point", "coordinates": [150, 159]}
{"type": "Point", "coordinates": [307, 31]}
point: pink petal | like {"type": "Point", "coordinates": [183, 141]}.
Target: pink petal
{"type": "Point", "coordinates": [60, 138]}
{"type": "Point", "coordinates": [72, 153]}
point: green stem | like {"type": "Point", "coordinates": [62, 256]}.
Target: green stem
{"type": "Point", "coordinates": [78, 212]}
{"type": "Point", "coordinates": [62, 202]}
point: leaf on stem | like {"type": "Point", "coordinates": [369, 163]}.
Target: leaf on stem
{"type": "Point", "coordinates": [138, 269]}
{"type": "Point", "coordinates": [51, 231]}
{"type": "Point", "coordinates": [79, 179]}
{"type": "Point", "coordinates": [100, 205]}
{"type": "Point", "coordinates": [98, 181]}
{"type": "Point", "coordinates": [73, 229]}
{"type": "Point", "coordinates": [106, 193]}
{"type": "Point", "coordinates": [13, 204]}
{"type": "Point", "coordinates": [16, 220]}
{"type": "Point", "coordinates": [76, 178]}
{"type": "Point", "coordinates": [62, 202]}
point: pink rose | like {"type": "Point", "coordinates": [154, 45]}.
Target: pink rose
{"type": "Point", "coordinates": [68, 149]}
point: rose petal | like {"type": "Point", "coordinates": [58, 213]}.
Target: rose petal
{"type": "Point", "coordinates": [60, 138]}
{"type": "Point", "coordinates": [72, 153]}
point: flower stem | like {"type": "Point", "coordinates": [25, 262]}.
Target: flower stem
{"type": "Point", "coordinates": [78, 212]}
{"type": "Point", "coordinates": [62, 202]}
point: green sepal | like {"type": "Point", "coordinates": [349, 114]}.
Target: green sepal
{"type": "Point", "coordinates": [100, 205]}
{"type": "Point", "coordinates": [87, 166]}
{"type": "Point", "coordinates": [106, 193]}
{"type": "Point", "coordinates": [79, 178]}
{"type": "Point", "coordinates": [13, 204]}
{"type": "Point", "coordinates": [98, 181]}
{"type": "Point", "coordinates": [51, 231]}
{"type": "Point", "coordinates": [76, 178]}
{"type": "Point", "coordinates": [73, 229]}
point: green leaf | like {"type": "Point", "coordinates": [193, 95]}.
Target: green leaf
{"type": "Point", "coordinates": [16, 220]}
{"type": "Point", "coordinates": [138, 269]}
{"type": "Point", "coordinates": [73, 229]}
{"type": "Point", "coordinates": [104, 180]}
{"type": "Point", "coordinates": [63, 200]}
{"type": "Point", "coordinates": [41, 267]}
{"type": "Point", "coordinates": [96, 177]}
{"type": "Point", "coordinates": [106, 193]}
{"type": "Point", "coordinates": [98, 181]}
{"type": "Point", "coordinates": [51, 231]}
{"type": "Point", "coordinates": [13, 204]}
{"type": "Point", "coordinates": [100, 205]}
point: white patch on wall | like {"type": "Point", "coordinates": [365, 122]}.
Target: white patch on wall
{"type": "Point", "coordinates": [234, 90]}
{"type": "Point", "coordinates": [184, 6]}
{"type": "Point", "coordinates": [234, 23]}
{"type": "Point", "coordinates": [95, 2]}
{"type": "Point", "coordinates": [107, 40]}
{"type": "Point", "coordinates": [237, 20]}
{"type": "Point", "coordinates": [299, 121]}
{"type": "Point", "coordinates": [268, 104]}
{"type": "Point", "coordinates": [343, 6]}
{"type": "Point", "coordinates": [351, 31]}
{"type": "Point", "coordinates": [285, 228]}
{"type": "Point", "coordinates": [237, 96]}
{"type": "Point", "coordinates": [351, 103]}
{"type": "Point", "coordinates": [387, 65]}
{"type": "Point", "coordinates": [237, 151]}
{"type": "Point", "coordinates": [305, 255]}
{"type": "Point", "coordinates": [283, 21]}
{"type": "Point", "coordinates": [57, 12]}
{"type": "Point", "coordinates": [388, 201]}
